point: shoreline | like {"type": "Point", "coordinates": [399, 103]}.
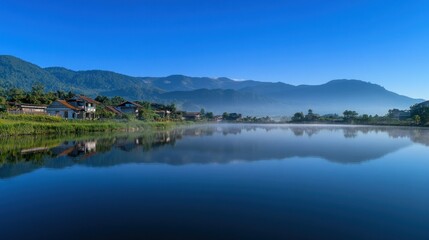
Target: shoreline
{"type": "Point", "coordinates": [332, 124]}
{"type": "Point", "coordinates": [52, 126]}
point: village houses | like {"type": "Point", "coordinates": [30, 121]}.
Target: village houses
{"type": "Point", "coordinates": [78, 107]}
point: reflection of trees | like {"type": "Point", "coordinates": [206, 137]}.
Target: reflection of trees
{"type": "Point", "coordinates": [24, 154]}
{"type": "Point", "coordinates": [36, 149]}
{"type": "Point", "coordinates": [298, 131]}
{"type": "Point", "coordinates": [351, 132]}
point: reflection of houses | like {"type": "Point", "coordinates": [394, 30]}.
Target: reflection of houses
{"type": "Point", "coordinates": [33, 150]}
{"type": "Point", "coordinates": [126, 145]}
{"type": "Point", "coordinates": [129, 107]}
{"type": "Point", "coordinates": [78, 107]}
{"type": "Point", "coordinates": [23, 108]}
{"type": "Point", "coordinates": [75, 149]}
{"type": "Point", "coordinates": [191, 116]}
{"type": "Point", "coordinates": [88, 146]}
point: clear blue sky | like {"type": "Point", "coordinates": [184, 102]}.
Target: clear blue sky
{"type": "Point", "coordinates": [298, 42]}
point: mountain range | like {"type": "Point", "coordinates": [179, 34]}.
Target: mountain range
{"type": "Point", "coordinates": [214, 94]}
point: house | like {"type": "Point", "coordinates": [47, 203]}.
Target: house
{"type": "Point", "coordinates": [86, 105]}
{"type": "Point", "coordinates": [218, 118]}
{"type": "Point", "coordinates": [399, 114]}
{"type": "Point", "coordinates": [63, 109]}
{"type": "Point", "coordinates": [114, 110]}
{"type": "Point", "coordinates": [23, 108]}
{"type": "Point", "coordinates": [78, 107]}
{"type": "Point", "coordinates": [129, 107]}
{"type": "Point", "coordinates": [163, 113]}
{"type": "Point", "coordinates": [191, 116]}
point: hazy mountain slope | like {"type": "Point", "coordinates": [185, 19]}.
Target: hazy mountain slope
{"type": "Point", "coordinates": [218, 100]}
{"type": "Point", "coordinates": [185, 83]}
{"type": "Point", "coordinates": [283, 99]}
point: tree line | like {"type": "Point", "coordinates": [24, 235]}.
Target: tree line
{"type": "Point", "coordinates": [417, 115]}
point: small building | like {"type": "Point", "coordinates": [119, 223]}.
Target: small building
{"type": "Point", "coordinates": [163, 113]}
{"type": "Point", "coordinates": [86, 105]}
{"type": "Point", "coordinates": [191, 116]}
{"type": "Point", "coordinates": [63, 109]}
{"type": "Point", "coordinates": [399, 114]}
{"type": "Point", "coordinates": [129, 107]}
{"type": "Point", "coordinates": [218, 118]}
{"type": "Point", "coordinates": [24, 108]}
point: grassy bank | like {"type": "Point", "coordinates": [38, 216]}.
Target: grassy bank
{"type": "Point", "coordinates": [13, 125]}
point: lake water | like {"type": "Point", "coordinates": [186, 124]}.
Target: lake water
{"type": "Point", "coordinates": [218, 182]}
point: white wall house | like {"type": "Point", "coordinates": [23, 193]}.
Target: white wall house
{"type": "Point", "coordinates": [63, 109]}
{"type": "Point", "coordinates": [86, 105]}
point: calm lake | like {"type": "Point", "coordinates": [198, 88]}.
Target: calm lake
{"type": "Point", "coordinates": [218, 182]}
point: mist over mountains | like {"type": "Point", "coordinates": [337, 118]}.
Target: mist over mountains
{"type": "Point", "coordinates": [214, 94]}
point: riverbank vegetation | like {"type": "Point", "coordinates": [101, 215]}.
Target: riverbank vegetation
{"type": "Point", "coordinates": [418, 115]}
{"type": "Point", "coordinates": [150, 115]}
{"type": "Point", "coordinates": [42, 124]}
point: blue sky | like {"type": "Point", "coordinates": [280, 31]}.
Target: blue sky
{"type": "Point", "coordinates": [298, 42]}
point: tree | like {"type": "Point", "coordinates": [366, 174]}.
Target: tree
{"type": "Point", "coordinates": [225, 116]}
{"type": "Point", "coordinates": [350, 114]}
{"type": "Point", "coordinates": [172, 108]}
{"type": "Point", "coordinates": [417, 119]}
{"type": "Point", "coordinates": [311, 116]}
{"type": "Point", "coordinates": [231, 116]}
{"type": "Point", "coordinates": [103, 113]}
{"type": "Point", "coordinates": [298, 117]}
{"type": "Point", "coordinates": [422, 112]}
{"type": "Point", "coordinates": [70, 94]}
{"type": "Point", "coordinates": [38, 89]}
{"type": "Point", "coordinates": [209, 115]}
{"type": "Point", "coordinates": [2, 104]}
{"type": "Point", "coordinates": [103, 99]}
{"type": "Point", "coordinates": [116, 100]}
{"type": "Point", "coordinates": [365, 117]}
{"type": "Point", "coordinates": [234, 116]}
{"type": "Point", "coordinates": [16, 95]}
{"type": "Point", "coordinates": [147, 114]}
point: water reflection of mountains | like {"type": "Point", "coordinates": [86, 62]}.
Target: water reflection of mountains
{"type": "Point", "coordinates": [208, 144]}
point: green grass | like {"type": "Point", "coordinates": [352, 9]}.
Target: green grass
{"type": "Point", "coordinates": [13, 125]}
{"type": "Point", "coordinates": [32, 118]}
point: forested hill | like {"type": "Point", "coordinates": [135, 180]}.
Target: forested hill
{"type": "Point", "coordinates": [216, 94]}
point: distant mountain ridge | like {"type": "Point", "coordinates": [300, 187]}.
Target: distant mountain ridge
{"type": "Point", "coordinates": [185, 83]}
{"type": "Point", "coordinates": [214, 94]}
